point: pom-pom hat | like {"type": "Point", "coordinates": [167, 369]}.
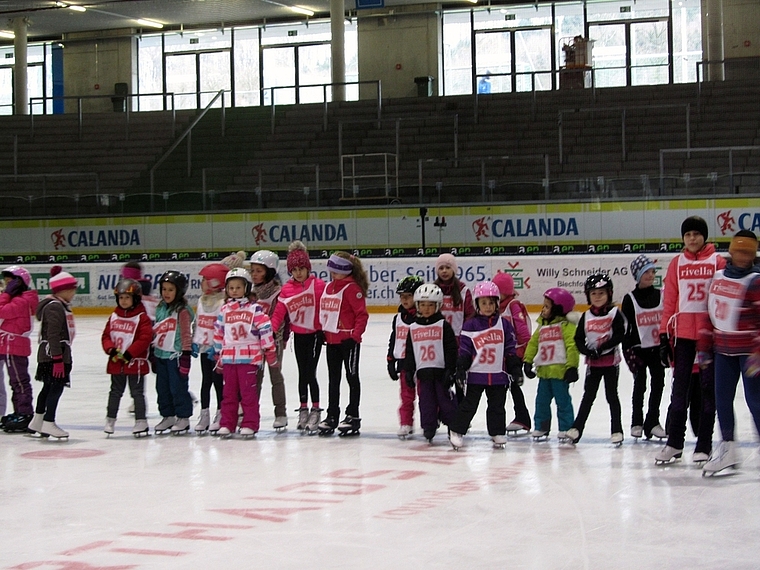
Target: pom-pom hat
{"type": "Point", "coordinates": [61, 280]}
{"type": "Point", "coordinates": [641, 265]}
{"type": "Point", "coordinates": [298, 256]}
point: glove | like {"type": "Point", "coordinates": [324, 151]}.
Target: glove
{"type": "Point", "coordinates": [184, 364]}
{"type": "Point", "coordinates": [392, 369]}
{"type": "Point", "coordinates": [593, 353]}
{"type": "Point", "coordinates": [633, 360]}
{"type": "Point", "coordinates": [126, 357]}
{"type": "Point", "coordinates": [704, 358]}
{"type": "Point", "coordinates": [528, 370]}
{"type": "Point", "coordinates": [514, 369]}
{"type": "Point", "coordinates": [116, 356]}
{"type": "Point", "coordinates": [319, 337]}
{"type": "Point", "coordinates": [15, 287]}
{"type": "Point", "coordinates": [409, 379]}
{"type": "Point", "coordinates": [348, 344]}
{"type": "Point", "coordinates": [571, 375]}
{"type": "Point", "coordinates": [449, 377]}
{"type": "Point", "coordinates": [59, 369]}
{"type": "Point", "coordinates": [666, 351]}
{"type": "Point", "coordinates": [112, 353]}
{"type": "Point", "coordinates": [461, 376]}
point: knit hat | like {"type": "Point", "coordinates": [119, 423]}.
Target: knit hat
{"type": "Point", "coordinates": [340, 265]}
{"type": "Point", "coordinates": [446, 259]}
{"type": "Point", "coordinates": [131, 273]}
{"type": "Point", "coordinates": [694, 224]}
{"type": "Point", "coordinates": [234, 260]}
{"type": "Point", "coordinates": [298, 256]}
{"type": "Point", "coordinates": [641, 265]}
{"type": "Point", "coordinates": [61, 280]}
{"type": "Point", "coordinates": [744, 241]}
{"type": "Point", "coordinates": [505, 283]}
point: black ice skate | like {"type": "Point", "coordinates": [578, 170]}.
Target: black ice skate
{"type": "Point", "coordinates": [327, 427]}
{"type": "Point", "coordinates": [349, 426]}
{"type": "Point", "coordinates": [17, 423]}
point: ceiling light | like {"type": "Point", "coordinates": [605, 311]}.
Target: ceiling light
{"type": "Point", "coordinates": [77, 8]}
{"type": "Point", "coordinates": [149, 23]}
{"type": "Point", "coordinates": [299, 10]}
{"type": "Point", "coordinates": [473, 1]}
{"type": "Point", "coordinates": [7, 35]}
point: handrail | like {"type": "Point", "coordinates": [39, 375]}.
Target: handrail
{"type": "Point", "coordinates": [354, 176]}
{"type": "Point", "coordinates": [324, 87]}
{"type": "Point", "coordinates": [186, 133]}
{"type": "Point", "coordinates": [79, 98]}
{"type": "Point", "coordinates": [729, 149]}
{"type": "Point", "coordinates": [46, 175]}
{"type": "Point", "coordinates": [623, 110]}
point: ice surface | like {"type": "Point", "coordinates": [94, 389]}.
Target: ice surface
{"type": "Point", "coordinates": [373, 501]}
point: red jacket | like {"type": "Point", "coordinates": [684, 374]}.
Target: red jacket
{"type": "Point", "coordinates": [138, 349]}
{"type": "Point", "coordinates": [685, 325]}
{"type": "Point", "coordinates": [353, 317]}
{"type": "Point", "coordinates": [16, 322]}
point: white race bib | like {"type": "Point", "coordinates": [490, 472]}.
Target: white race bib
{"type": "Point", "coordinates": [427, 342]}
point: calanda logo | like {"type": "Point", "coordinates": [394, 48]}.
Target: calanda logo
{"type": "Point", "coordinates": [306, 232]}
{"type": "Point", "coordinates": [94, 238]}
{"type": "Point", "coordinates": [537, 226]}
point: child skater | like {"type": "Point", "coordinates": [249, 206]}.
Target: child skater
{"type": "Point", "coordinates": [267, 287]}
{"type": "Point", "coordinates": [126, 340]}
{"type": "Point", "coordinates": [516, 313]}
{"type": "Point", "coordinates": [397, 350]}
{"type": "Point", "coordinates": [597, 336]}
{"type": "Point", "coordinates": [684, 314]}
{"type": "Point", "coordinates": [734, 306]}
{"type": "Point", "coordinates": [552, 349]}
{"type": "Point", "coordinates": [297, 306]}
{"type": "Point", "coordinates": [18, 304]}
{"type": "Point", "coordinates": [173, 347]}
{"type": "Point", "coordinates": [642, 309]}
{"type": "Point", "coordinates": [213, 277]}
{"type": "Point", "coordinates": [57, 332]}
{"type": "Point", "coordinates": [431, 358]}
{"type": "Point", "coordinates": [134, 270]}
{"type": "Point", "coordinates": [242, 341]}
{"type": "Point", "coordinates": [487, 359]}
{"type": "Point", "coordinates": [343, 317]}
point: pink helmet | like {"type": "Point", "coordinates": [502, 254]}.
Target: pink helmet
{"type": "Point", "coordinates": [18, 271]}
{"type": "Point", "coordinates": [505, 283]}
{"type": "Point", "coordinates": [215, 274]}
{"type": "Point", "coordinates": [561, 298]}
{"type": "Point", "coordinates": [486, 289]}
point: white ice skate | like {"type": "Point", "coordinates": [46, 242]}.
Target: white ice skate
{"type": "Point", "coordinates": [109, 427]}
{"type": "Point", "coordinates": [35, 425]}
{"type": "Point", "coordinates": [515, 429]}
{"type": "Point", "coordinates": [659, 432]}
{"type": "Point", "coordinates": [312, 424]}
{"type": "Point", "coordinates": [303, 418]}
{"type": "Point", "coordinates": [224, 433]}
{"type": "Point", "coordinates": [203, 422]}
{"type": "Point", "coordinates": [349, 426]}
{"type": "Point", "coordinates": [667, 455]}
{"type": "Point", "coordinates": [499, 441]}
{"type": "Point", "coordinates": [247, 433]}
{"type": "Point", "coordinates": [181, 426]}
{"type": "Point", "coordinates": [213, 427]}
{"type": "Point", "coordinates": [50, 429]}
{"type": "Point", "coordinates": [617, 439]}
{"type": "Point", "coordinates": [404, 431]}
{"type": "Point", "coordinates": [164, 425]}
{"type": "Point", "coordinates": [563, 437]}
{"type": "Point", "coordinates": [456, 440]}
{"type": "Point", "coordinates": [141, 429]}
{"type": "Point", "coordinates": [700, 457]}
{"type": "Point", "coordinates": [637, 431]}
{"type": "Point", "coordinates": [725, 457]}
{"type": "Point", "coordinates": [280, 423]}
{"type": "Point", "coordinates": [574, 435]}
{"type": "Point", "coordinates": [540, 435]}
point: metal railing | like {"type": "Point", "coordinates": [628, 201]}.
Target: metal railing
{"type": "Point", "coordinates": [729, 149]}
{"type": "Point", "coordinates": [353, 176]}
{"type": "Point", "coordinates": [44, 177]}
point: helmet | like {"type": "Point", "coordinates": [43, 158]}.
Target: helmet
{"type": "Point", "coordinates": [409, 284]}
{"type": "Point", "coordinates": [18, 271]}
{"type": "Point", "coordinates": [597, 281]}
{"type": "Point", "coordinates": [486, 289]}
{"type": "Point", "coordinates": [561, 298]}
{"type": "Point", "coordinates": [240, 273]}
{"type": "Point", "coordinates": [266, 258]}
{"type": "Point", "coordinates": [429, 292]}
{"type": "Point", "coordinates": [215, 274]}
{"type": "Point", "coordinates": [505, 283]}
{"type": "Point", "coordinates": [175, 278]}
{"type": "Point", "coordinates": [129, 287]}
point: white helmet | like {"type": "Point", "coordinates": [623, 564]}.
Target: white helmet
{"type": "Point", "coordinates": [240, 273]}
{"type": "Point", "coordinates": [429, 292]}
{"type": "Point", "coordinates": [266, 258]}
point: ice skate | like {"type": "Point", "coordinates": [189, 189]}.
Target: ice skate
{"type": "Point", "coordinates": [429, 435]}
{"type": "Point", "coordinates": [4, 419]}
{"type": "Point", "coordinates": [700, 457]}
{"type": "Point", "coordinates": [131, 408]}
{"type": "Point", "coordinates": [50, 429]}
{"type": "Point", "coordinates": [327, 427]}
{"type": "Point", "coordinates": [35, 425]}
{"type": "Point", "coordinates": [667, 455]}
{"type": "Point", "coordinates": [17, 423]}
{"type": "Point", "coordinates": [164, 425]}
{"type": "Point", "coordinates": [141, 429]}
{"type": "Point", "coordinates": [312, 424]}
{"type": "Point", "coordinates": [499, 441]}
{"type": "Point", "coordinates": [637, 431]}
{"type": "Point", "coordinates": [725, 457]}
{"type": "Point", "coordinates": [349, 426]}
{"type": "Point", "coordinates": [247, 433]}
{"type": "Point", "coordinates": [109, 427]}
{"type": "Point", "coordinates": [213, 427]}
{"type": "Point", "coordinates": [224, 433]}
{"type": "Point", "coordinates": [540, 435]}
{"type": "Point", "coordinates": [181, 426]}
{"type": "Point", "coordinates": [617, 439]}
{"type": "Point", "coordinates": [280, 423]}
{"type": "Point", "coordinates": [657, 431]}
{"type": "Point", "coordinates": [303, 418]}
{"type": "Point", "coordinates": [456, 440]}
{"type": "Point", "coordinates": [404, 432]}
{"type": "Point", "coordinates": [515, 429]}
{"type": "Point", "coordinates": [203, 422]}
{"type": "Point", "coordinates": [564, 438]}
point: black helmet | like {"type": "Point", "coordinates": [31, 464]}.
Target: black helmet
{"type": "Point", "coordinates": [177, 279]}
{"type": "Point", "coordinates": [409, 284]}
{"type": "Point", "coordinates": [130, 287]}
{"type": "Point", "coordinates": [597, 281]}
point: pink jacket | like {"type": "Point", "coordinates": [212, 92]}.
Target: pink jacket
{"type": "Point", "coordinates": [16, 322]}
{"type": "Point", "coordinates": [291, 289]}
{"type": "Point", "coordinates": [516, 313]}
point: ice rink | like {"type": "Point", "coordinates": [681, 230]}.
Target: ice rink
{"type": "Point", "coordinates": [285, 501]}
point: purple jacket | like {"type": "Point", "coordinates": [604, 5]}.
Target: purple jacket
{"type": "Point", "coordinates": [467, 351]}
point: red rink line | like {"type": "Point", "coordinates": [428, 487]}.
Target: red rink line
{"type": "Point", "coordinates": [197, 534]}
{"type": "Point", "coordinates": [211, 525]}
{"type": "Point", "coordinates": [85, 548]}
{"type": "Point", "coordinates": [149, 552]}
{"type": "Point", "coordinates": [296, 500]}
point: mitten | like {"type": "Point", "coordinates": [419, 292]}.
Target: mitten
{"type": "Point", "coordinates": [461, 377]}
{"type": "Point", "coordinates": [409, 379]}
{"type": "Point", "coordinates": [15, 287]}
{"type": "Point", "coordinates": [449, 377]}
{"type": "Point", "coordinates": [348, 344]}
{"type": "Point", "coordinates": [184, 363]}
{"type": "Point", "coordinates": [571, 375]}
{"type": "Point", "coordinates": [528, 370]}
{"type": "Point", "coordinates": [666, 351]}
{"type": "Point", "coordinates": [126, 357]}
{"type": "Point", "coordinates": [319, 337]}
{"type": "Point", "coordinates": [59, 369]}
{"type": "Point", "coordinates": [633, 360]}
{"type": "Point", "coordinates": [514, 369]}
{"type": "Point", "coordinates": [392, 369]}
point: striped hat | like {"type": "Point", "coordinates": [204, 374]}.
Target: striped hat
{"type": "Point", "coordinates": [61, 280]}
